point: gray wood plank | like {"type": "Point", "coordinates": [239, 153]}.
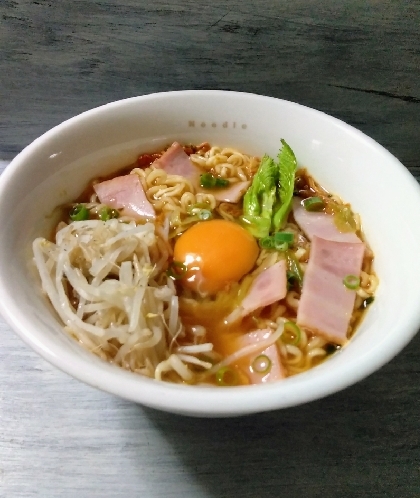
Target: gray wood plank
{"type": "Point", "coordinates": [357, 62]}
{"type": "Point", "coordinates": [61, 438]}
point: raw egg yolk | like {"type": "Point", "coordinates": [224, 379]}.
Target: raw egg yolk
{"type": "Point", "coordinates": [215, 253]}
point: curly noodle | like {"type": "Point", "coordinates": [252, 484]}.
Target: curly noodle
{"type": "Point", "coordinates": [174, 341]}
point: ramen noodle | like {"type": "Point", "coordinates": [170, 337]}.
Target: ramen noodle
{"type": "Point", "coordinates": [207, 266]}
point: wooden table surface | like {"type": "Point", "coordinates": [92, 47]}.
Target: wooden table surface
{"type": "Point", "coordinates": [357, 60]}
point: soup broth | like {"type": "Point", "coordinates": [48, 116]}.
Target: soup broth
{"type": "Point", "coordinates": [160, 270]}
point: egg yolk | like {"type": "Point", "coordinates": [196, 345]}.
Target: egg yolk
{"type": "Point", "coordinates": [215, 253]}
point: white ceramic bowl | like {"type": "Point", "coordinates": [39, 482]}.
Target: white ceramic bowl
{"type": "Point", "coordinates": [57, 166]}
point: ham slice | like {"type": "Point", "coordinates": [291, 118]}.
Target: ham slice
{"type": "Point", "coordinates": [267, 288]}
{"type": "Point", "coordinates": [232, 193]}
{"type": "Point", "coordinates": [176, 162]}
{"type": "Point", "coordinates": [126, 193]}
{"type": "Point", "coordinates": [326, 305]}
{"type": "Point", "coordinates": [276, 372]}
{"type": "Point", "coordinates": [320, 224]}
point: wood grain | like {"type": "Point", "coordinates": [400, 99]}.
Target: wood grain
{"type": "Point", "coordinates": [358, 61]}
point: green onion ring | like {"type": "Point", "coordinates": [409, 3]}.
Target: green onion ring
{"type": "Point", "coordinates": [313, 204]}
{"type": "Point", "coordinates": [281, 237]}
{"type": "Point", "coordinates": [352, 282]}
{"type": "Point", "coordinates": [107, 213]}
{"type": "Point", "coordinates": [176, 270]}
{"type": "Point", "coordinates": [284, 246]}
{"type": "Point", "coordinates": [261, 364]}
{"type": "Point", "coordinates": [291, 334]}
{"type": "Point", "coordinates": [79, 213]}
{"type": "Point", "coordinates": [293, 266]}
{"type": "Point", "coordinates": [266, 243]}
{"type": "Point", "coordinates": [279, 241]}
{"type": "Point", "coordinates": [207, 180]}
{"type": "Point", "coordinates": [204, 214]}
{"type": "Point", "coordinates": [226, 376]}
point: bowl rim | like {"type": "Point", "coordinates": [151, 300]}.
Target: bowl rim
{"type": "Point", "coordinates": [175, 398]}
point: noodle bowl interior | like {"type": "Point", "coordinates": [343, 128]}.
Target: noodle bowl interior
{"type": "Point", "coordinates": [204, 265]}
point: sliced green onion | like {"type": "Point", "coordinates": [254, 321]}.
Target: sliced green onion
{"type": "Point", "coordinates": [279, 241]}
{"type": "Point", "coordinates": [291, 279]}
{"type": "Point", "coordinates": [106, 213]}
{"type": "Point", "coordinates": [344, 219]}
{"type": "Point", "coordinates": [352, 282]}
{"type": "Point", "coordinates": [226, 376]}
{"type": "Point", "coordinates": [291, 334]}
{"type": "Point", "coordinates": [281, 237]}
{"type": "Point", "coordinates": [367, 301]}
{"type": "Point", "coordinates": [261, 364]}
{"type": "Point", "coordinates": [207, 180]}
{"type": "Point", "coordinates": [294, 267]}
{"type": "Point", "coordinates": [79, 213]}
{"type": "Point", "coordinates": [266, 243]}
{"type": "Point", "coordinates": [284, 246]}
{"type": "Point", "coordinates": [313, 204]}
{"type": "Point", "coordinates": [176, 270]}
{"type": "Point", "coordinates": [205, 214]}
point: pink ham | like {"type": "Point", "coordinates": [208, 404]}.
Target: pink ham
{"type": "Point", "coordinates": [320, 224]}
{"type": "Point", "coordinates": [274, 373]}
{"type": "Point", "coordinates": [126, 193]}
{"type": "Point", "coordinates": [267, 288]}
{"type": "Point", "coordinates": [176, 162]}
{"type": "Point", "coordinates": [326, 305]}
{"type": "Point", "coordinates": [232, 193]}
